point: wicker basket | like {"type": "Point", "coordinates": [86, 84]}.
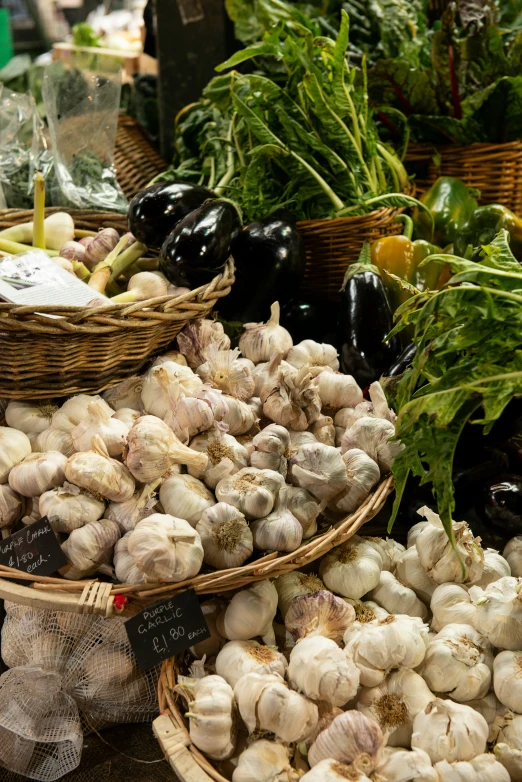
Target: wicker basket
{"type": "Point", "coordinates": [135, 158]}
{"type": "Point", "coordinates": [98, 597]}
{"type": "Point", "coordinates": [494, 169]}
{"type": "Point", "coordinates": [90, 349]}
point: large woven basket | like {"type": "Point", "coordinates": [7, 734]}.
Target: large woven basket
{"type": "Point", "coordinates": [98, 597]}
{"type": "Point", "coordinates": [494, 169]}
{"type": "Point", "coordinates": [86, 350]}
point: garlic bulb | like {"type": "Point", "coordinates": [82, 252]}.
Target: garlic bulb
{"type": "Point", "coordinates": [11, 507]}
{"type": "Point", "coordinates": [127, 415]}
{"type": "Point", "coordinates": [212, 718]}
{"type": "Point", "coordinates": [124, 565]}
{"type": "Point", "coordinates": [410, 572]}
{"type": "Point", "coordinates": [29, 417]}
{"type": "Point", "coordinates": [271, 449]}
{"type": "Point", "coordinates": [260, 341]}
{"type": "Point", "coordinates": [166, 548]}
{"type": "Point", "coordinates": [54, 440]}
{"type": "Point", "coordinates": [482, 768]}
{"type": "Point", "coordinates": [153, 448]}
{"type": "Point", "coordinates": [89, 547]}
{"type": "Point", "coordinates": [449, 731]}
{"type": "Point", "coordinates": [329, 770]}
{"type": "Point", "coordinates": [451, 603]}
{"type": "Point", "coordinates": [210, 646]}
{"type": "Point", "coordinates": [499, 612]}
{"type": "Point", "coordinates": [324, 430]}
{"type": "Point", "coordinates": [224, 369]}
{"type": "Point", "coordinates": [268, 369]}
{"type": "Point", "coordinates": [337, 391]}
{"type": "Point", "coordinates": [14, 447]}
{"type": "Point", "coordinates": [319, 613]}
{"type": "Point", "coordinates": [322, 671]}
{"type": "Point", "coordinates": [280, 530]}
{"type": "Point", "coordinates": [350, 738]}
{"type": "Point", "coordinates": [508, 747]}
{"type": "Point", "coordinates": [320, 470]}
{"type": "Point", "coordinates": [383, 547]}
{"type": "Point", "coordinates": [112, 431]}
{"type": "Point", "coordinates": [438, 557]}
{"type": "Point", "coordinates": [191, 414]}
{"type": "Point", "coordinates": [31, 511]}
{"type": "Point", "coordinates": [303, 506]}
{"type": "Point", "coordinates": [373, 436]}
{"type": "Point", "coordinates": [397, 598]}
{"type": "Point", "coordinates": [267, 705]}
{"type": "Point", "coordinates": [226, 456]}
{"type": "Point", "coordinates": [185, 497]}
{"type": "Point", "coordinates": [495, 567]}
{"type": "Point", "coordinates": [155, 391]}
{"type": "Point", "coordinates": [226, 537]}
{"type": "Point", "coordinates": [363, 474]}
{"type": "Point", "coordinates": [458, 662]}
{"type": "Point", "coordinates": [38, 473]}
{"type": "Point", "coordinates": [198, 336]}
{"type": "Point", "coordinates": [294, 584]}
{"type": "Point", "coordinates": [395, 703]}
{"type": "Point", "coordinates": [126, 394]}
{"type": "Point", "coordinates": [264, 761]}
{"type": "Point", "coordinates": [367, 610]}
{"type": "Point", "coordinates": [382, 645]}
{"type": "Point", "coordinates": [142, 504]}
{"type": "Point", "coordinates": [402, 765]}
{"type": "Point", "coordinates": [313, 354]}
{"type": "Point", "coordinates": [250, 613]}
{"type": "Point", "coordinates": [239, 416]}
{"type": "Point", "coordinates": [75, 410]}
{"type": "Point", "coordinates": [513, 555]}
{"type": "Point", "coordinates": [252, 491]}
{"type": "Point", "coordinates": [98, 474]}
{"type": "Point", "coordinates": [297, 439]}
{"type": "Point", "coordinates": [507, 679]}
{"type": "Point", "coordinates": [346, 416]}
{"type": "Point", "coordinates": [239, 657]}
{"type": "Point", "coordinates": [290, 399]}
{"type": "Point", "coordinates": [68, 507]}
{"type": "Point", "coordinates": [415, 531]}
{"type": "Point", "coordinates": [352, 569]}
{"type": "Point", "coordinates": [170, 355]}
{"type": "Point", "coordinates": [489, 706]}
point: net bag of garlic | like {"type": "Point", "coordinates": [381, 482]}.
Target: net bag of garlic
{"type": "Point", "coordinates": [69, 674]}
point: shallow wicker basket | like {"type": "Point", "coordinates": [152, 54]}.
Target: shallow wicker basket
{"type": "Point", "coordinates": [86, 350]}
{"type": "Point", "coordinates": [98, 597]}
{"type": "Point", "coordinates": [494, 169]}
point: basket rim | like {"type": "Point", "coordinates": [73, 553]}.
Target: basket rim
{"type": "Point", "coordinates": [475, 146]}
{"type": "Point", "coordinates": [87, 594]}
{"type": "Point", "coordinates": [376, 214]}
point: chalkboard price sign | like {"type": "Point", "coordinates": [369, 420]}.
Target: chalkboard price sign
{"type": "Point", "coordinates": [166, 629]}
{"type": "Point", "coordinates": [34, 550]}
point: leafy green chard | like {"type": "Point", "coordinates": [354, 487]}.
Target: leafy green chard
{"type": "Point", "coordinates": [467, 367]}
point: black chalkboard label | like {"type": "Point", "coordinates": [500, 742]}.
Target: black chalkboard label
{"type": "Point", "coordinates": [166, 629]}
{"type": "Point", "coordinates": [34, 550]}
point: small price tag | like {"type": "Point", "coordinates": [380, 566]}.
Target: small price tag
{"type": "Point", "coordinates": [166, 629]}
{"type": "Point", "coordinates": [34, 550]}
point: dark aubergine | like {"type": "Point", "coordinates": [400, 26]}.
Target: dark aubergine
{"type": "Point", "coordinates": [155, 211]}
{"type": "Point", "coordinates": [198, 247]}
{"type": "Point", "coordinates": [500, 504]}
{"type": "Point", "coordinates": [309, 319]}
{"type": "Point", "coordinates": [269, 260]}
{"type": "Point", "coordinates": [400, 366]}
{"type": "Point", "coordinates": [364, 321]}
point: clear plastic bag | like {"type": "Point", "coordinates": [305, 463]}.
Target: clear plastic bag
{"type": "Point", "coordinates": [82, 111]}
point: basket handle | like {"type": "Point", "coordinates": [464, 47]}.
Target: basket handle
{"type": "Point", "coordinates": [95, 598]}
{"type": "Point", "coordinates": [173, 742]}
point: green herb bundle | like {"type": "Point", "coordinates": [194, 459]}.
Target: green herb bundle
{"type": "Point", "coordinates": [307, 141]}
{"type": "Point", "coordinates": [467, 368]}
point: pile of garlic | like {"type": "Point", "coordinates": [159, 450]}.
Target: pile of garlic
{"type": "Point", "coordinates": [388, 664]}
{"type": "Point", "coordinates": [211, 454]}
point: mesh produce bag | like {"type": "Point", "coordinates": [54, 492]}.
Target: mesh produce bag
{"type": "Point", "coordinates": [91, 659]}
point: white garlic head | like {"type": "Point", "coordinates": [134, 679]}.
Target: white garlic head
{"type": "Point", "coordinates": [250, 613]}
{"type": "Point", "coordinates": [508, 746]}
{"type": "Point", "coordinates": [239, 416]}
{"type": "Point", "coordinates": [271, 447]}
{"type": "Point", "coordinates": [499, 612]}
{"type": "Point", "coordinates": [11, 507]}
{"type": "Point", "coordinates": [127, 415]}
{"type": "Point", "coordinates": [329, 770]}
{"type": "Point", "coordinates": [89, 547]}
{"type": "Point", "coordinates": [451, 604]}
{"type": "Point", "coordinates": [68, 507]}
{"type": "Point", "coordinates": [126, 394]}
{"type": "Point", "coordinates": [294, 584]}
{"type": "Point", "coordinates": [350, 738]}
{"type": "Point", "coordinates": [409, 571]}
{"type": "Point", "coordinates": [403, 765]}
{"type": "Point", "coordinates": [225, 535]}
{"type": "Point", "coordinates": [352, 569]}
{"type": "Point", "coordinates": [212, 717]}
{"type": "Point", "coordinates": [438, 557]}
{"type": "Point", "coordinates": [374, 437]}
{"type": "Point", "coordinates": [458, 662]}
{"type": "Point", "coordinates": [449, 731]}
{"type": "Point", "coordinates": [38, 473]}
{"type": "Point", "coordinates": [75, 410]}
{"type": "Point", "coordinates": [266, 370]}
{"type": "Point", "coordinates": [396, 598]}
{"type": "Point", "coordinates": [54, 440]}
{"type": "Point", "coordinates": [280, 530]}
{"type": "Point", "coordinates": [185, 497]}
{"type": "Point", "coordinates": [264, 761]}
{"type": "Point", "coordinates": [483, 768]}
{"type": "Point", "coordinates": [507, 679]}
{"type": "Point", "coordinates": [303, 506]}
{"type": "Point", "coordinates": [337, 391]}
{"type": "Point", "coordinates": [319, 469]}
{"type": "Point", "coordinates": [98, 474]}
{"type": "Point", "coordinates": [155, 392]}
{"type": "Point", "coordinates": [239, 657]}
{"type": "Point", "coordinates": [226, 456]}
{"type": "Point", "coordinates": [382, 645]}
{"type": "Point", "coordinates": [14, 447]}
{"type": "Point", "coordinates": [98, 421]}
{"type": "Point", "coordinates": [166, 548]}
{"type": "Point", "coordinates": [324, 430]}
{"type": "Point", "coordinates": [395, 703]}
{"type": "Point", "coordinates": [363, 474]}
{"type": "Point", "coordinates": [251, 491]}
{"type": "Point", "coordinates": [198, 336]}
{"type": "Point", "coordinates": [495, 567]}
{"type": "Point", "coordinates": [127, 514]}
{"type": "Point", "coordinates": [260, 341]}
{"type": "Point", "coordinates": [513, 555]}
{"type": "Point", "coordinates": [319, 613]}
{"type": "Point", "coordinates": [313, 354]}
{"type": "Point", "coordinates": [124, 565]}
{"type": "Point", "coordinates": [291, 399]}
{"type": "Point", "coordinates": [152, 448]}
{"type": "Point", "coordinates": [224, 370]}
{"type": "Point", "coordinates": [29, 417]}
{"type": "Point", "coordinates": [322, 671]}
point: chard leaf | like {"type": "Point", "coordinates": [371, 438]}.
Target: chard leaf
{"type": "Point", "coordinates": [264, 48]}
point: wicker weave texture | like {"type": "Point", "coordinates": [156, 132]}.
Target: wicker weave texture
{"type": "Point", "coordinates": [136, 160]}
{"type": "Point", "coordinates": [494, 169]}
{"type": "Point", "coordinates": [86, 349]}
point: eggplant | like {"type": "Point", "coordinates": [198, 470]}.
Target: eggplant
{"type": "Point", "coordinates": [199, 246]}
{"type": "Point", "coordinates": [499, 505]}
{"type": "Point", "coordinates": [156, 210]}
{"type": "Point", "coordinates": [269, 260]}
{"type": "Point", "coordinates": [365, 320]}
{"type": "Point", "coordinates": [400, 366]}
{"type": "Point", "coordinates": [309, 319]}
